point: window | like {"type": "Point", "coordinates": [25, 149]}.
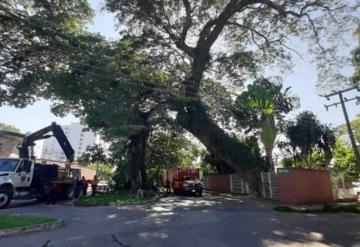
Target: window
{"type": "Point", "coordinates": [8, 165]}
{"type": "Point", "coordinates": [25, 166]}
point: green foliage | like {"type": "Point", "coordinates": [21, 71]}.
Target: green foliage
{"type": "Point", "coordinates": [355, 125]}
{"type": "Point", "coordinates": [95, 153]}
{"type": "Point", "coordinates": [356, 61]}
{"type": "Point", "coordinates": [118, 198]}
{"type": "Point", "coordinates": [261, 99]}
{"type": "Point", "coordinates": [211, 164]}
{"type": "Point", "coordinates": [105, 172]}
{"type": "Point", "coordinates": [169, 149]}
{"type": "Point", "coordinates": [96, 158]}
{"type": "Point", "coordinates": [317, 161]}
{"type": "Point", "coordinates": [254, 33]}
{"type": "Point", "coordinates": [118, 88]}
{"type": "Point", "coordinates": [307, 135]}
{"type": "Point", "coordinates": [259, 108]}
{"type": "Point", "coordinates": [342, 208]}
{"type": "Point", "coordinates": [217, 102]}
{"type": "Point", "coordinates": [9, 128]}
{"type": "Point", "coordinates": [37, 37]}
{"type": "Point", "coordinates": [345, 162]}
{"type": "Point", "coordinates": [327, 208]}
{"type": "Point", "coordinates": [123, 107]}
{"type": "Point", "coordinates": [8, 221]}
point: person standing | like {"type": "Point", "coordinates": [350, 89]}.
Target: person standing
{"type": "Point", "coordinates": [51, 192]}
{"type": "Point", "coordinates": [167, 185]}
{"type": "Point", "coordinates": [84, 184]}
{"type": "Point", "coordinates": [94, 184]}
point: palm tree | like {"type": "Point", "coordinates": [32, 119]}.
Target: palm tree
{"type": "Point", "coordinates": [260, 110]}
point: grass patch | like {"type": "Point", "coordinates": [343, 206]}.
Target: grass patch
{"type": "Point", "coordinates": [15, 221]}
{"type": "Point", "coordinates": [328, 208]}
{"type": "Point", "coordinates": [111, 198]}
{"type": "Point", "coordinates": [284, 209]}
{"type": "Point", "coordinates": [342, 208]}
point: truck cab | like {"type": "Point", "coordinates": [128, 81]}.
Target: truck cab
{"type": "Point", "coordinates": [23, 178]}
{"type": "Point", "coordinates": [26, 179]}
{"type": "Point", "coordinates": [15, 177]}
{"type": "Point", "coordinates": [186, 181]}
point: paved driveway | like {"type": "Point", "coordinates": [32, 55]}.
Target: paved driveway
{"type": "Point", "coordinates": [213, 220]}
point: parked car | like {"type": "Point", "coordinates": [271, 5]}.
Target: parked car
{"type": "Point", "coordinates": [356, 187]}
{"type": "Point", "coordinates": [103, 186]}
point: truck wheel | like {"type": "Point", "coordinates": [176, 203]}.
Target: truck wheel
{"type": "Point", "coordinates": [200, 193]}
{"type": "Point", "coordinates": [5, 198]}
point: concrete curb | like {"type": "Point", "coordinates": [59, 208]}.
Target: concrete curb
{"type": "Point", "coordinates": [32, 228]}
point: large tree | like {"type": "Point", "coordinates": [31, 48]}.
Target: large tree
{"type": "Point", "coordinates": [260, 110]}
{"type": "Point", "coordinates": [123, 107]}
{"type": "Point", "coordinates": [188, 40]}
{"type": "Point", "coordinates": [185, 41]}
{"type": "Point", "coordinates": [307, 135]}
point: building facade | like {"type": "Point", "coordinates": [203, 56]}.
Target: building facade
{"type": "Point", "coordinates": [78, 137]}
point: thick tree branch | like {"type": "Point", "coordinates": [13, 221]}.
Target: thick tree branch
{"type": "Point", "coordinates": [207, 37]}
{"type": "Point", "coordinates": [188, 22]}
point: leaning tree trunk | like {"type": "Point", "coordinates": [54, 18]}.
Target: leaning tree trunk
{"type": "Point", "coordinates": [237, 155]}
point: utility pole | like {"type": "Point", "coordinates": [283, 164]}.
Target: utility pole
{"type": "Point", "coordinates": [342, 102]}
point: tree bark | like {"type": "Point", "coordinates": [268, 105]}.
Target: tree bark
{"type": "Point", "coordinates": [194, 118]}
{"type": "Point", "coordinates": [137, 152]}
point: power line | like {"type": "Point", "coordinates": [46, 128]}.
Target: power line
{"type": "Point", "coordinates": [342, 102]}
{"type": "Point", "coordinates": [76, 45]}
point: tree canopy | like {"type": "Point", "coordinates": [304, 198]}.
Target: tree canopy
{"type": "Point", "coordinates": [307, 134]}
{"type": "Point", "coordinates": [345, 162]}
{"type": "Point", "coordinates": [169, 53]}
{"type": "Point", "coordinates": [255, 34]}
{"type": "Point", "coordinates": [355, 124]}
{"type": "Point", "coordinates": [7, 127]}
{"type": "Point", "coordinates": [169, 149]}
{"type": "Point", "coordinates": [35, 37]}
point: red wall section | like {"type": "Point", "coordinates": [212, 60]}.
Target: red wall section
{"type": "Point", "coordinates": [219, 183]}
{"type": "Point", "coordinates": [304, 186]}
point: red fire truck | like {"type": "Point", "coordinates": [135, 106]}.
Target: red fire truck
{"type": "Point", "coordinates": [187, 181]}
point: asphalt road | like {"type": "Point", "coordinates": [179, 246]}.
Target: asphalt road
{"type": "Point", "coordinates": [211, 221]}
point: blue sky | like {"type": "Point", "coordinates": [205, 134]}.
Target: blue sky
{"type": "Point", "coordinates": [302, 79]}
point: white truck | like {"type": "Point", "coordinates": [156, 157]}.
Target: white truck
{"type": "Point", "coordinates": [23, 178]}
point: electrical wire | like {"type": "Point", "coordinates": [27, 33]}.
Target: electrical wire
{"type": "Point", "coordinates": [76, 46]}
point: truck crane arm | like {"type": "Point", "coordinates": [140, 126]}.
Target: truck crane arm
{"type": "Point", "coordinates": [58, 133]}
